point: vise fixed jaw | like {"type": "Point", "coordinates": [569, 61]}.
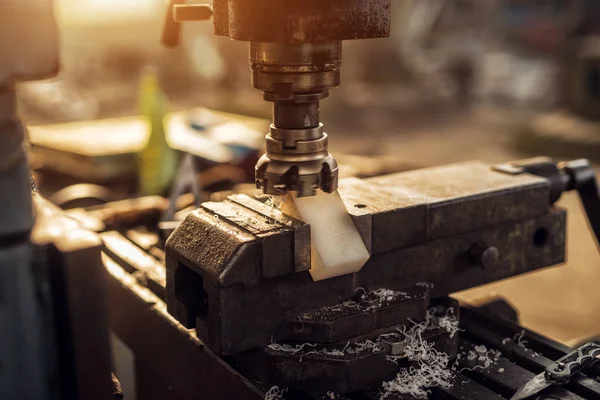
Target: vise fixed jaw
{"type": "Point", "coordinates": [237, 271]}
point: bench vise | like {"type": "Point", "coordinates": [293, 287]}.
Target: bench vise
{"type": "Point", "coordinates": [237, 270]}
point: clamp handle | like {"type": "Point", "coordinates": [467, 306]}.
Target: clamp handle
{"type": "Point", "coordinates": [582, 178]}
{"type": "Point", "coordinates": [565, 367]}
{"type": "Point", "coordinates": [178, 12]}
{"type": "Point", "coordinates": [577, 175]}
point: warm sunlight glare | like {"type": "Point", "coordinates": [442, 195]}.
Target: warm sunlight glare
{"type": "Point", "coordinates": [109, 9]}
{"type": "Point", "coordinates": [117, 5]}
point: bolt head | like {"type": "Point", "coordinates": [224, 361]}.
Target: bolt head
{"type": "Point", "coordinates": [483, 255]}
{"type": "Point", "coordinates": [490, 257]}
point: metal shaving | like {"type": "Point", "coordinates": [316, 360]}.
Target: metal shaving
{"type": "Point", "coordinates": [286, 348]}
{"type": "Point", "coordinates": [275, 393]}
{"type": "Point", "coordinates": [432, 365]}
{"type": "Point", "coordinates": [425, 284]}
{"type": "Point", "coordinates": [274, 203]}
{"type": "Point", "coordinates": [368, 301]}
{"type": "Point", "coordinates": [448, 322]}
{"type": "Point", "coordinates": [481, 355]}
{"type": "Point", "coordinates": [349, 349]}
{"type": "Point", "coordinates": [519, 339]}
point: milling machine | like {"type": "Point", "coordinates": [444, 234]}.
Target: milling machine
{"type": "Point", "coordinates": [295, 58]}
{"type": "Point", "coordinates": [236, 314]}
{"type": "Point", "coordinates": [237, 271]}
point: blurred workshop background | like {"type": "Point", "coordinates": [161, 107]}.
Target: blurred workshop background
{"type": "Point", "coordinates": [493, 80]}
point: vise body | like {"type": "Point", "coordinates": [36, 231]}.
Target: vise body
{"type": "Point", "coordinates": [237, 270]}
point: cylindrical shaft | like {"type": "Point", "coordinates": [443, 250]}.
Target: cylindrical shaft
{"type": "Point", "coordinates": [291, 115]}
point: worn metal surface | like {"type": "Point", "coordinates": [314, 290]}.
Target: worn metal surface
{"type": "Point", "coordinates": [69, 257]}
{"type": "Point", "coordinates": [221, 278]}
{"type": "Point", "coordinates": [436, 202]}
{"type": "Point", "coordinates": [347, 365]}
{"type": "Point", "coordinates": [186, 368]}
{"type": "Point", "coordinates": [301, 21]}
{"type": "Point", "coordinates": [316, 372]}
{"type": "Point", "coordinates": [171, 362]}
{"type": "Point", "coordinates": [531, 351]}
{"type": "Point", "coordinates": [463, 197]}
{"type": "Point", "coordinates": [337, 323]}
{"type": "Point", "coordinates": [121, 215]}
{"type": "Point", "coordinates": [143, 266]}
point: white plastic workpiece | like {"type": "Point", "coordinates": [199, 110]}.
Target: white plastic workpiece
{"type": "Point", "coordinates": [336, 246]}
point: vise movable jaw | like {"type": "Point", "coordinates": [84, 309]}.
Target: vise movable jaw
{"type": "Point", "coordinates": [237, 270]}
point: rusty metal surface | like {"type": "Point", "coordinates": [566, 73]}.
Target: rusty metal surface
{"type": "Point", "coordinates": [301, 21]}
{"type": "Point", "coordinates": [425, 223]}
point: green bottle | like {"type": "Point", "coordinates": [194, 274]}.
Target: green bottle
{"type": "Point", "coordinates": [157, 162]}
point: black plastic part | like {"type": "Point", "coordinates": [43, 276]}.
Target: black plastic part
{"type": "Point", "coordinates": [583, 179]}
{"type": "Point", "coordinates": [540, 166]}
{"type": "Point", "coordinates": [566, 176]}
